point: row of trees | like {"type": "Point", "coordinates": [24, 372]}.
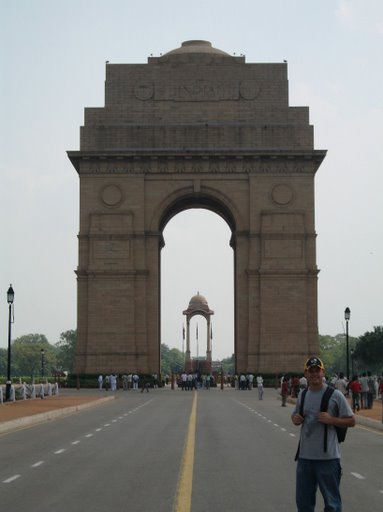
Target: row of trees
{"type": "Point", "coordinates": [172, 361]}
{"type": "Point", "coordinates": [366, 353]}
{"type": "Point", "coordinates": [28, 359]}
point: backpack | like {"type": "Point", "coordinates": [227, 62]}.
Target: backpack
{"type": "Point", "coordinates": [341, 432]}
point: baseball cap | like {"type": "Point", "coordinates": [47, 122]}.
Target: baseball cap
{"type": "Point", "coordinates": [314, 361]}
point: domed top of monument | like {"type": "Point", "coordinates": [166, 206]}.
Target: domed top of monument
{"type": "Point", "coordinates": [198, 303]}
{"type": "Point", "coordinates": [196, 46]}
{"type": "Point", "coordinates": [198, 300]}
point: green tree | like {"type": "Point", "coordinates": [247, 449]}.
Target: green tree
{"type": "Point", "coordinates": [27, 358]}
{"type": "Point", "coordinates": [369, 350]}
{"type": "Point", "coordinates": [3, 361]}
{"type": "Point", "coordinates": [228, 365]}
{"type": "Point", "coordinates": [172, 360]}
{"type": "Point", "coordinates": [66, 350]}
{"type": "Point", "coordinates": [333, 352]}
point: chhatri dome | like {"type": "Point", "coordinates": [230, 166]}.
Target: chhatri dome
{"type": "Point", "coordinates": [198, 304]}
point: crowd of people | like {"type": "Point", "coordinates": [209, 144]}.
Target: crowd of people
{"type": "Point", "coordinates": [362, 389]}
{"type": "Point", "coordinates": [130, 381]}
{"type": "Point", "coordinates": [190, 381]}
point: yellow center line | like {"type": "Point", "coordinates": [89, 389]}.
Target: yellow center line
{"type": "Point", "coordinates": [182, 502]}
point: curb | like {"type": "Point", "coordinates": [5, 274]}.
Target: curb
{"type": "Point", "coordinates": [35, 419]}
{"type": "Point", "coordinates": [368, 422]}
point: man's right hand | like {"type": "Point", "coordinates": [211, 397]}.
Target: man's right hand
{"type": "Point", "coordinates": [297, 419]}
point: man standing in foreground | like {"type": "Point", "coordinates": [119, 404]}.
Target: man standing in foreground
{"type": "Point", "coordinates": [319, 461]}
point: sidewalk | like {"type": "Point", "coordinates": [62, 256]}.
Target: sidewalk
{"type": "Point", "coordinates": [23, 413]}
{"type": "Point", "coordinates": [371, 417]}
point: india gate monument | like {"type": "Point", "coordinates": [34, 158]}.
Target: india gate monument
{"type": "Point", "coordinates": [196, 128]}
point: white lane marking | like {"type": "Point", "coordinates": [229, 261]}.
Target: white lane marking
{"type": "Point", "coordinates": [11, 479]}
{"type": "Point", "coordinates": [265, 418]}
{"type": "Point", "coordinates": [359, 476]}
{"type": "Point", "coordinates": [381, 491]}
{"type": "Point", "coordinates": [37, 464]}
{"type": "Point", "coordinates": [62, 450]}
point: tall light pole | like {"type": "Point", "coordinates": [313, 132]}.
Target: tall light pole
{"type": "Point", "coordinates": [10, 299]}
{"type": "Point", "coordinates": [347, 314]}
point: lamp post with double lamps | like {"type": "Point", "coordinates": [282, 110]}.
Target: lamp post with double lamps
{"type": "Point", "coordinates": [10, 299]}
{"type": "Point", "coordinates": [347, 314]}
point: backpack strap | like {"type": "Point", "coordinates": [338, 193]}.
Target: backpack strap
{"type": "Point", "coordinates": [323, 408]}
{"type": "Point", "coordinates": [301, 404]}
{"type": "Point", "coordinates": [302, 401]}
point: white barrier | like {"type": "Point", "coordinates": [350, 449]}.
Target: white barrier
{"type": "Point", "coordinates": [26, 392]}
{"type": "Point", "coordinates": [23, 391]}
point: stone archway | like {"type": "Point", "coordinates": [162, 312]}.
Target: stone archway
{"type": "Point", "coordinates": [195, 128]}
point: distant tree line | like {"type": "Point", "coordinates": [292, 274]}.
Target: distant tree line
{"type": "Point", "coordinates": [365, 352]}
{"type": "Point", "coordinates": [32, 355]}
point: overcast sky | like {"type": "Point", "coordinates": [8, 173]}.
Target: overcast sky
{"type": "Point", "coordinates": [53, 57]}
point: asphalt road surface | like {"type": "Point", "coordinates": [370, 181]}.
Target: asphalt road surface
{"type": "Point", "coordinates": [176, 451]}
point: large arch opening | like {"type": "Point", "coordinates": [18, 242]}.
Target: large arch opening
{"type": "Point", "coordinates": [197, 257]}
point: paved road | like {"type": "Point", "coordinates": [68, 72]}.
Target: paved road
{"type": "Point", "coordinates": [139, 451]}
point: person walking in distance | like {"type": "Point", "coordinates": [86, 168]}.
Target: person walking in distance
{"type": "Point", "coordinates": [260, 387]}
{"type": "Point", "coordinates": [284, 390]}
{"type": "Point", "coordinates": [318, 456]}
{"type": "Point", "coordinates": [364, 394]}
{"type": "Point", "coordinates": [355, 388]}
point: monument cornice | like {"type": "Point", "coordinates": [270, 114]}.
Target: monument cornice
{"type": "Point", "coordinates": [116, 274]}
{"type": "Point", "coordinates": [278, 273]}
{"type": "Point", "coordinates": [203, 161]}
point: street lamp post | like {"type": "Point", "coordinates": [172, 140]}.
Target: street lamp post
{"type": "Point", "coordinates": [347, 314]}
{"type": "Point", "coordinates": [42, 363]}
{"type": "Point", "coordinates": [10, 299]}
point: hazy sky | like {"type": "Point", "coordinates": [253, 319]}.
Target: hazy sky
{"type": "Point", "coordinates": [53, 57]}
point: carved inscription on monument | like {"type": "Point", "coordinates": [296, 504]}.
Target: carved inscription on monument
{"type": "Point", "coordinates": [197, 90]}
